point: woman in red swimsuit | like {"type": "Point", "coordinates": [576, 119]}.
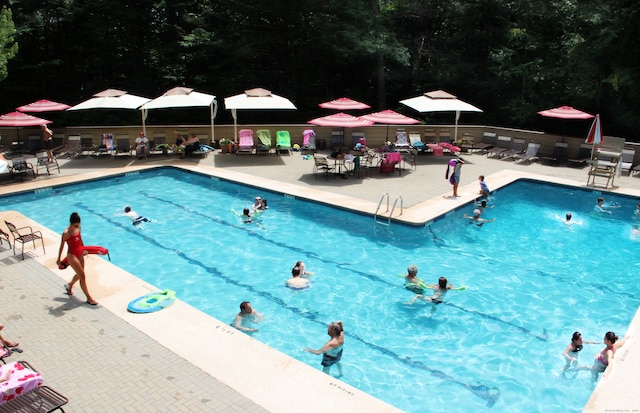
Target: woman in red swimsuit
{"type": "Point", "coordinates": [75, 256]}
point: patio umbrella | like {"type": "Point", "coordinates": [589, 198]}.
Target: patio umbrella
{"type": "Point", "coordinates": [344, 104]}
{"type": "Point", "coordinates": [182, 97]}
{"type": "Point", "coordinates": [112, 99]}
{"type": "Point", "coordinates": [440, 101]}
{"type": "Point", "coordinates": [19, 119]}
{"type": "Point", "coordinates": [390, 117]}
{"type": "Point", "coordinates": [341, 120]}
{"type": "Point", "coordinates": [565, 112]}
{"type": "Point", "coordinates": [43, 105]}
{"type": "Point", "coordinates": [595, 134]}
{"type": "Point", "coordinates": [255, 99]}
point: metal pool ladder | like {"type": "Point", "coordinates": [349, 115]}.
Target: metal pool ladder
{"type": "Point", "coordinates": [388, 223]}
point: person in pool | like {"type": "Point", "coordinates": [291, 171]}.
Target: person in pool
{"type": "Point", "coordinates": [477, 219]}
{"type": "Point", "coordinates": [482, 205]}
{"type": "Point", "coordinates": [412, 282]}
{"type": "Point", "coordinates": [247, 216]}
{"type": "Point", "coordinates": [567, 219]}
{"type": "Point", "coordinates": [604, 358]}
{"type": "Point", "coordinates": [303, 271]}
{"type": "Point", "coordinates": [332, 349]}
{"type": "Point", "coordinates": [439, 291]}
{"type": "Point", "coordinates": [602, 206]}
{"type": "Point", "coordinates": [260, 204]}
{"type": "Point", "coordinates": [484, 189]}
{"type": "Point", "coordinates": [136, 219]}
{"type": "Point", "coordinates": [246, 316]}
{"type": "Point", "coordinates": [296, 282]}
{"type": "Point", "coordinates": [571, 352]}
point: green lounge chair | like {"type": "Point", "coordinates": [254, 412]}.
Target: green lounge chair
{"type": "Point", "coordinates": [283, 141]}
{"type": "Point", "coordinates": [265, 141]}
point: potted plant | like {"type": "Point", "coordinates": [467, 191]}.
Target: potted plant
{"type": "Point", "coordinates": [224, 145]}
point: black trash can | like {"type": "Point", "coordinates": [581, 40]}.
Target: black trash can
{"type": "Point", "coordinates": [322, 144]}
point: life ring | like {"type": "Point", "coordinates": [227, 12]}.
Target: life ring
{"type": "Point", "coordinates": [152, 302]}
{"type": "Point", "coordinates": [91, 249]}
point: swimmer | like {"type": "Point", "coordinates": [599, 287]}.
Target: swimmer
{"type": "Point", "coordinates": [604, 358]}
{"type": "Point", "coordinates": [571, 352]}
{"type": "Point", "coordinates": [567, 219]}
{"type": "Point", "coordinates": [246, 216]}
{"type": "Point", "coordinates": [636, 213]}
{"type": "Point", "coordinates": [260, 204]}
{"type": "Point", "coordinates": [603, 207]}
{"type": "Point", "coordinates": [476, 218]}
{"type": "Point", "coordinates": [296, 282]}
{"type": "Point", "coordinates": [412, 282]}
{"type": "Point", "coordinates": [136, 219]}
{"type": "Point", "coordinates": [332, 349]}
{"type": "Point", "coordinates": [246, 316]}
{"type": "Point", "coordinates": [303, 271]}
{"type": "Point", "coordinates": [635, 231]}
{"type": "Point", "coordinates": [482, 205]}
{"type": "Point", "coordinates": [439, 291]}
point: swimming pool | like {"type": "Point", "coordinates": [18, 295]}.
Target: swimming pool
{"type": "Point", "coordinates": [494, 347]}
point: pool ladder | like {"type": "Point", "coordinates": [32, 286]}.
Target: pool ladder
{"type": "Point", "coordinates": [382, 199]}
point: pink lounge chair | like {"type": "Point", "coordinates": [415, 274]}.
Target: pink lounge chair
{"type": "Point", "coordinates": [245, 142]}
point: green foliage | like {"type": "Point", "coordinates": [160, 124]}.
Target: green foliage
{"type": "Point", "coordinates": [8, 46]}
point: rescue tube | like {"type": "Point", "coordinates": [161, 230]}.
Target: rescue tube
{"type": "Point", "coordinates": [91, 249]}
{"type": "Point", "coordinates": [152, 302]}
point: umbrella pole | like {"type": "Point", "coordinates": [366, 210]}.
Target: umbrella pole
{"type": "Point", "coordinates": [144, 118]}
{"type": "Point", "coordinates": [455, 135]}
{"type": "Point", "coordinates": [234, 113]}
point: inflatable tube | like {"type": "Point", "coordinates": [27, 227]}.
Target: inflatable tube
{"type": "Point", "coordinates": [91, 249]}
{"type": "Point", "coordinates": [152, 302]}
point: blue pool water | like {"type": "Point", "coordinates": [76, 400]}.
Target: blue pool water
{"type": "Point", "coordinates": [496, 347]}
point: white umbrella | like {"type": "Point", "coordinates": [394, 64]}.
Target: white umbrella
{"type": "Point", "coordinates": [440, 101]}
{"type": "Point", "coordinates": [255, 99]}
{"type": "Point", "coordinates": [112, 99]}
{"type": "Point", "coordinates": [183, 97]}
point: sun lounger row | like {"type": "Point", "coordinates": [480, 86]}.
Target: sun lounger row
{"type": "Point", "coordinates": [23, 391]}
{"type": "Point", "coordinates": [265, 144]}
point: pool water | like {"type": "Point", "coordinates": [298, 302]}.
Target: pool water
{"type": "Point", "coordinates": [497, 346]}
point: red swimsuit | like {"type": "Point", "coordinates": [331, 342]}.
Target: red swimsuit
{"type": "Point", "coordinates": [75, 245]}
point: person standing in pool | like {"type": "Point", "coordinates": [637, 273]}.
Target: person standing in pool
{"type": "Point", "coordinates": [303, 271]}
{"type": "Point", "coordinates": [411, 280]}
{"type": "Point", "coordinates": [571, 352]}
{"type": "Point", "coordinates": [75, 256]}
{"type": "Point", "coordinates": [603, 207]}
{"type": "Point", "coordinates": [604, 358]}
{"type": "Point", "coordinates": [332, 349]}
{"type": "Point", "coordinates": [246, 316]}
{"type": "Point", "coordinates": [296, 282]}
{"type": "Point", "coordinates": [439, 290]}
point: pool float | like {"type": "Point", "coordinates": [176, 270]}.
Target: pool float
{"type": "Point", "coordinates": [91, 249]}
{"type": "Point", "coordinates": [152, 302]}
{"type": "Point", "coordinates": [422, 284]}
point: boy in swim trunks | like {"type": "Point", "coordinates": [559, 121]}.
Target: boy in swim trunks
{"type": "Point", "coordinates": [136, 219]}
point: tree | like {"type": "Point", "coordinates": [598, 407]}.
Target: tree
{"type": "Point", "coordinates": [8, 46]}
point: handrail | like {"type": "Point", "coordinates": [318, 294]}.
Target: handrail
{"type": "Point", "coordinates": [394, 207]}
{"type": "Point", "coordinates": [375, 216]}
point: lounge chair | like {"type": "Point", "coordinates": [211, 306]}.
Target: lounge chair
{"type": "Point", "coordinates": [401, 141]}
{"type": "Point", "coordinates": [559, 155]}
{"type": "Point", "coordinates": [488, 141]}
{"type": "Point", "coordinates": [43, 162]}
{"type": "Point", "coordinates": [34, 144]}
{"type": "Point", "coordinates": [416, 142]}
{"type": "Point", "coordinates": [41, 399]}
{"type": "Point", "coordinates": [7, 351]}
{"type": "Point", "coordinates": [71, 148]}
{"type": "Point", "coordinates": [283, 141]}
{"type": "Point", "coordinates": [308, 141]}
{"type": "Point", "coordinates": [584, 155]}
{"type": "Point", "coordinates": [86, 145]}
{"type": "Point", "coordinates": [445, 143]}
{"type": "Point", "coordinates": [626, 161]}
{"type": "Point", "coordinates": [57, 143]}
{"type": "Point", "coordinates": [204, 149]}
{"type": "Point", "coordinates": [123, 147]}
{"type": "Point", "coordinates": [20, 167]}
{"type": "Point", "coordinates": [106, 145]}
{"type": "Point", "coordinates": [337, 138]}
{"type": "Point", "coordinates": [530, 155]}
{"type": "Point", "coordinates": [265, 142]}
{"type": "Point", "coordinates": [502, 145]}
{"type": "Point", "coordinates": [160, 145]}
{"type": "Point", "coordinates": [321, 166]}
{"type": "Point", "coordinates": [24, 235]}
{"type": "Point", "coordinates": [445, 137]}
{"type": "Point", "coordinates": [517, 147]}
{"type": "Point", "coordinates": [245, 142]}
{"type": "Point", "coordinates": [410, 158]}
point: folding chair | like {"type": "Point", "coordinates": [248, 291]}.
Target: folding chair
{"type": "Point", "coordinates": [27, 235]}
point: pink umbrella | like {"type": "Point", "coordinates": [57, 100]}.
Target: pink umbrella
{"type": "Point", "coordinates": [565, 112]}
{"type": "Point", "coordinates": [390, 117]}
{"type": "Point", "coordinates": [595, 133]}
{"type": "Point", "coordinates": [19, 119]}
{"type": "Point", "coordinates": [344, 104]}
{"type": "Point", "coordinates": [341, 120]}
{"type": "Point", "coordinates": [43, 105]}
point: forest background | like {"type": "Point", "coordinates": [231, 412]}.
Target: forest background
{"type": "Point", "coordinates": [512, 58]}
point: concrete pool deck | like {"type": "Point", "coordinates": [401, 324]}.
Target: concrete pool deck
{"type": "Point", "coordinates": [107, 359]}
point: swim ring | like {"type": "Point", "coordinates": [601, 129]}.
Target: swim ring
{"type": "Point", "coordinates": [152, 302]}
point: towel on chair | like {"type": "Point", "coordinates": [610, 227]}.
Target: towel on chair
{"type": "Point", "coordinates": [436, 149]}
